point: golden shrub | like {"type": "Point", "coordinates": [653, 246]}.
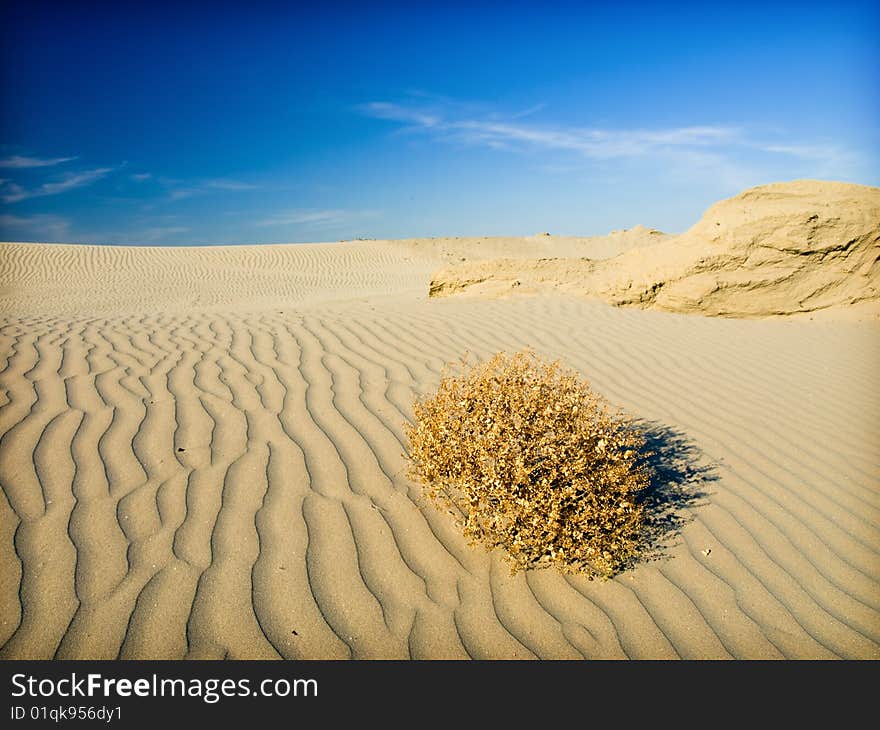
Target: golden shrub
{"type": "Point", "coordinates": [530, 459]}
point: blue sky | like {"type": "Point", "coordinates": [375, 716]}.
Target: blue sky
{"type": "Point", "coordinates": [268, 122]}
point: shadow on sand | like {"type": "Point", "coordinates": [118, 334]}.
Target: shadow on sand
{"type": "Point", "coordinates": [680, 473]}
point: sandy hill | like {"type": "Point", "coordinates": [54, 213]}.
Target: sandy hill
{"type": "Point", "coordinates": [51, 278]}
{"type": "Point", "coordinates": [784, 248]}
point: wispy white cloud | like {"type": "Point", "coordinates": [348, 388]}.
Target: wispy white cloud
{"type": "Point", "coordinates": [589, 142]}
{"type": "Point", "coordinates": [223, 184]}
{"type": "Point", "coordinates": [54, 228]}
{"type": "Point", "coordinates": [20, 162]}
{"type": "Point", "coordinates": [313, 218]}
{"type": "Point", "coordinates": [13, 193]}
{"type": "Point", "coordinates": [398, 113]}
{"type": "Point", "coordinates": [594, 143]}
{"type": "Point", "coordinates": [182, 193]}
{"type": "Point", "coordinates": [42, 226]}
{"type": "Point", "coordinates": [141, 176]}
{"type": "Point", "coordinates": [447, 123]}
{"type": "Point", "coordinates": [180, 190]}
{"type": "Point", "coordinates": [528, 112]}
{"type": "Point", "coordinates": [138, 230]}
{"type": "Point", "coordinates": [819, 152]}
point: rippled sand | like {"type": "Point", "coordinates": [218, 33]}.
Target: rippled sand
{"type": "Point", "coordinates": [202, 457]}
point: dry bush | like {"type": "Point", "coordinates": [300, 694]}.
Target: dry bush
{"type": "Point", "coordinates": [531, 460]}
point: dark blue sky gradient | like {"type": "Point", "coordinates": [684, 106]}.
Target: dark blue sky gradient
{"type": "Point", "coordinates": [262, 122]}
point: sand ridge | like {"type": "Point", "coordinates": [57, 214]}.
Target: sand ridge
{"type": "Point", "coordinates": [211, 465]}
{"type": "Point", "coordinates": [98, 279]}
{"type": "Point", "coordinates": [781, 249]}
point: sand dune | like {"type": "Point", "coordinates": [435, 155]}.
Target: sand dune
{"type": "Point", "coordinates": [780, 249]}
{"type": "Point", "coordinates": [201, 456]}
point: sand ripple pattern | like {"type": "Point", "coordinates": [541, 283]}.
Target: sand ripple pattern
{"type": "Point", "coordinates": [215, 484]}
{"type": "Point", "coordinates": [107, 279]}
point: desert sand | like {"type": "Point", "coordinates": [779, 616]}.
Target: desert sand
{"type": "Point", "coordinates": [202, 449]}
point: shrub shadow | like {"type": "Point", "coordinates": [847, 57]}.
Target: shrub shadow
{"type": "Point", "coordinates": [679, 476]}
